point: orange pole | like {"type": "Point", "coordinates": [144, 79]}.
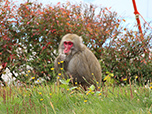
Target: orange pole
{"type": "Point", "coordinates": [137, 16]}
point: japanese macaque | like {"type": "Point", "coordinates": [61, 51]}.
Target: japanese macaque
{"type": "Point", "coordinates": [78, 62]}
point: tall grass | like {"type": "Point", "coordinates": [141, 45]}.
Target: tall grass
{"type": "Point", "coordinates": [53, 99]}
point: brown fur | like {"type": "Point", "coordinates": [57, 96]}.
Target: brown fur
{"type": "Point", "coordinates": [81, 63]}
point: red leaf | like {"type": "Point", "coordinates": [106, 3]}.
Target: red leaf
{"type": "Point", "coordinates": [58, 3]}
{"type": "Point", "coordinates": [48, 43]}
{"type": "Point", "coordinates": [43, 47]}
{"type": "Point", "coordinates": [4, 64]}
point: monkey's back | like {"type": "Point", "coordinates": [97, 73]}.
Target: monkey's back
{"type": "Point", "coordinates": [85, 68]}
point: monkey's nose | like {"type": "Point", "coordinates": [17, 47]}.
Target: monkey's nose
{"type": "Point", "coordinates": [66, 48]}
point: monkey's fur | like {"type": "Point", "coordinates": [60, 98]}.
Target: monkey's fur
{"type": "Point", "coordinates": [80, 64]}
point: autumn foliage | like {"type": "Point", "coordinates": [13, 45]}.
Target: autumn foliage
{"type": "Point", "coordinates": [30, 34]}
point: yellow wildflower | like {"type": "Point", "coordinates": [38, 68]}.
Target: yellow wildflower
{"type": "Point", "coordinates": [40, 93]}
{"type": "Point", "coordinates": [111, 74]}
{"type": "Point", "coordinates": [61, 61]}
{"type": "Point", "coordinates": [99, 94]}
{"type": "Point", "coordinates": [90, 91]}
{"type": "Point", "coordinates": [92, 73]}
{"type": "Point", "coordinates": [26, 74]}
{"type": "Point", "coordinates": [50, 93]}
{"type": "Point", "coordinates": [52, 68]}
{"type": "Point", "coordinates": [67, 89]}
{"type": "Point", "coordinates": [151, 83]}
{"type": "Point", "coordinates": [150, 87]}
{"type": "Point", "coordinates": [106, 77]}
{"type": "Point", "coordinates": [107, 72]}
{"type": "Point", "coordinates": [59, 74]}
{"type": "Point", "coordinates": [136, 77]}
{"type": "Point", "coordinates": [38, 80]}
{"type": "Point", "coordinates": [29, 71]}
{"type": "Point", "coordinates": [58, 62]}
{"type": "Point", "coordinates": [78, 88]}
{"type": "Point", "coordinates": [76, 83]}
{"type": "Point", "coordinates": [33, 78]}
{"type": "Point", "coordinates": [85, 101]}
{"type": "Point", "coordinates": [97, 82]}
{"type": "Point", "coordinates": [124, 79]}
{"type": "Point", "coordinates": [58, 77]}
{"type": "Point", "coordinates": [61, 68]}
{"type": "Point", "coordinates": [87, 93]}
{"type": "Point", "coordinates": [41, 99]}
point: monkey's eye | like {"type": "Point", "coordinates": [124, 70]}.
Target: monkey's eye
{"type": "Point", "coordinates": [65, 43]}
{"type": "Point", "coordinates": [70, 43]}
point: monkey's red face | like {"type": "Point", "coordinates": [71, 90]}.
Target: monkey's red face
{"type": "Point", "coordinates": [67, 45]}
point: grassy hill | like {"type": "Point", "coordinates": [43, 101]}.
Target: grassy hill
{"type": "Point", "coordinates": [64, 99]}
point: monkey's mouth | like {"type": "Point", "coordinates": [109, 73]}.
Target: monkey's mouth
{"type": "Point", "coordinates": [67, 52]}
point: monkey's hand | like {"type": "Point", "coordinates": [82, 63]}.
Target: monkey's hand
{"type": "Point", "coordinates": [62, 57]}
{"type": "Point", "coordinates": [57, 63]}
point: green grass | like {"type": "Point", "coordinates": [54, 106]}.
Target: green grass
{"type": "Point", "coordinates": [52, 99]}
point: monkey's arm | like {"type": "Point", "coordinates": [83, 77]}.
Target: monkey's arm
{"type": "Point", "coordinates": [57, 62]}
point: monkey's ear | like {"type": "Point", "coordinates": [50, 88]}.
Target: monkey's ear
{"type": "Point", "coordinates": [81, 40]}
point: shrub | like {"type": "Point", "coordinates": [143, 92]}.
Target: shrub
{"type": "Point", "coordinates": [31, 34]}
{"type": "Point", "coordinates": [129, 56]}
